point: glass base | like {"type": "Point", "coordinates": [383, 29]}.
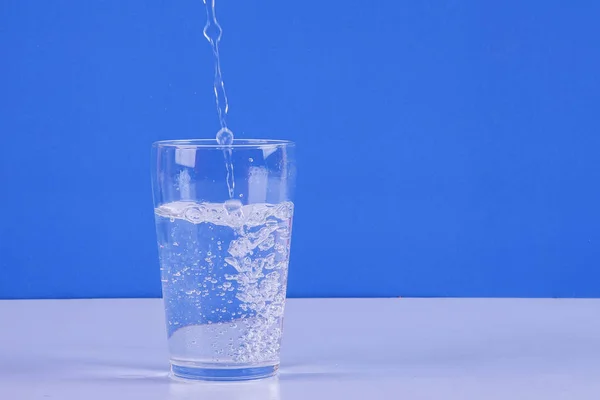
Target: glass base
{"type": "Point", "coordinates": [210, 373]}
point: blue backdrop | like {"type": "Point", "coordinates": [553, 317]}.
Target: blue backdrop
{"type": "Point", "coordinates": [446, 148]}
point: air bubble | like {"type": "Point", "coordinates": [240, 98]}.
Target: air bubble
{"type": "Point", "coordinates": [225, 136]}
{"type": "Point", "coordinates": [232, 205]}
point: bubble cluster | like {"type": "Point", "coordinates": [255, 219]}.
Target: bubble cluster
{"type": "Point", "coordinates": [231, 213]}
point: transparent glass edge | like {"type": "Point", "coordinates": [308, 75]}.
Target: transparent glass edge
{"type": "Point", "coordinates": [211, 144]}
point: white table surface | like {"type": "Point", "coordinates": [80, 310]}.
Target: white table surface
{"type": "Point", "coordinates": [333, 349]}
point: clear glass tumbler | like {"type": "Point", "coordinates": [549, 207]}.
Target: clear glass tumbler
{"type": "Point", "coordinates": [224, 259]}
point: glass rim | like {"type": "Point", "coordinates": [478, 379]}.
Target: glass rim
{"type": "Point", "coordinates": [212, 143]}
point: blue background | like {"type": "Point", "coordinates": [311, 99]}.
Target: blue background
{"type": "Point", "coordinates": [446, 148]}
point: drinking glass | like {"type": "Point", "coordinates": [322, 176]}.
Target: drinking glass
{"type": "Point", "coordinates": [224, 233]}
